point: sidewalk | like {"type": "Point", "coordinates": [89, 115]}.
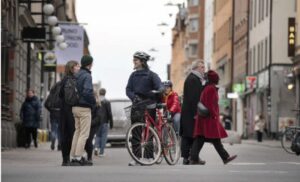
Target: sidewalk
{"type": "Point", "coordinates": [266, 143]}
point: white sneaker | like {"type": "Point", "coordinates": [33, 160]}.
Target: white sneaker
{"type": "Point", "coordinates": [102, 155]}
{"type": "Point", "coordinates": [133, 163]}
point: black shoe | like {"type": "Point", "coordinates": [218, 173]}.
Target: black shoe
{"type": "Point", "coordinates": [35, 144]}
{"type": "Point", "coordinates": [197, 162]}
{"type": "Point", "coordinates": [75, 162]}
{"type": "Point", "coordinates": [186, 162]}
{"type": "Point", "coordinates": [66, 163]}
{"type": "Point", "coordinates": [229, 159]}
{"type": "Point", "coordinates": [52, 146]}
{"type": "Point", "coordinates": [85, 162]}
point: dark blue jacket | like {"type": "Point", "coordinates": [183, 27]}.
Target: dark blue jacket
{"type": "Point", "coordinates": [31, 112]}
{"type": "Point", "coordinates": [85, 88]}
{"type": "Point", "coordinates": [141, 82]}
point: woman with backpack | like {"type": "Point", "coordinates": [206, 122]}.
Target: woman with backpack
{"type": "Point", "coordinates": [67, 124]}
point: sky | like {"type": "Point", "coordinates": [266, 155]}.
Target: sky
{"type": "Point", "coordinates": [116, 30]}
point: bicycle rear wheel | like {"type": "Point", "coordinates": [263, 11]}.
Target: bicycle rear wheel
{"type": "Point", "coordinates": [287, 138]}
{"type": "Point", "coordinates": [170, 144]}
{"type": "Point", "coordinates": [143, 144]}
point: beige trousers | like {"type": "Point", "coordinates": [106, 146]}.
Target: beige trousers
{"type": "Point", "coordinates": [83, 119]}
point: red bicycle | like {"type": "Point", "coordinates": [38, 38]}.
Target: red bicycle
{"type": "Point", "coordinates": [147, 142]}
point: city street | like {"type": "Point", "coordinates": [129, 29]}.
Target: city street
{"type": "Point", "coordinates": [255, 162]}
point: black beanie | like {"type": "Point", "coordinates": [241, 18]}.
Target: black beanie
{"type": "Point", "coordinates": [86, 60]}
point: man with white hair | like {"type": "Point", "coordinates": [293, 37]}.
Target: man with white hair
{"type": "Point", "coordinates": [193, 86]}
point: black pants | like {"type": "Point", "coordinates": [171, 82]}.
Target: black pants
{"type": "Point", "coordinates": [259, 136]}
{"type": "Point", "coordinates": [137, 115]}
{"type": "Point", "coordinates": [67, 128]}
{"type": "Point", "coordinates": [30, 132]}
{"type": "Point", "coordinates": [89, 143]}
{"type": "Point", "coordinates": [199, 142]}
{"type": "Point", "coordinates": [186, 145]}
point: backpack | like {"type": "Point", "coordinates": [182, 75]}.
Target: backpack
{"type": "Point", "coordinates": [71, 93]}
{"type": "Point", "coordinates": [53, 100]}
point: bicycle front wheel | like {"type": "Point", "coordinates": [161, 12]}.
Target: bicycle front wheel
{"type": "Point", "coordinates": [143, 144]}
{"type": "Point", "coordinates": [170, 144]}
{"type": "Point", "coordinates": [287, 139]}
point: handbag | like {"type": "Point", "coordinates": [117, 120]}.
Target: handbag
{"type": "Point", "coordinates": [202, 110]}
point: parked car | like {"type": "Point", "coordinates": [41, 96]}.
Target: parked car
{"type": "Point", "coordinates": [121, 124]}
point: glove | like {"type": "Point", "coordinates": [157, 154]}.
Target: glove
{"type": "Point", "coordinates": [136, 99]}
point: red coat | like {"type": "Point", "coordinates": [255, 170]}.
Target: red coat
{"type": "Point", "coordinates": [210, 127]}
{"type": "Point", "coordinates": [172, 101]}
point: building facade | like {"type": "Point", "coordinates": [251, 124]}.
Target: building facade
{"type": "Point", "coordinates": [239, 61]}
{"type": "Point", "coordinates": [208, 33]}
{"type": "Point", "coordinates": [296, 64]}
{"type": "Point", "coordinates": [222, 48]}
{"type": "Point", "coordinates": [22, 62]}
{"type": "Point", "coordinates": [268, 63]}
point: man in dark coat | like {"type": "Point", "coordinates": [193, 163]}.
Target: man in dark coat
{"type": "Point", "coordinates": [139, 88]}
{"type": "Point", "coordinates": [30, 115]}
{"type": "Point", "coordinates": [193, 87]}
{"type": "Point", "coordinates": [82, 111]}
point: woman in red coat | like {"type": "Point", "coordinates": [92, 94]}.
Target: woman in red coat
{"type": "Point", "coordinates": [209, 128]}
{"type": "Point", "coordinates": [173, 105]}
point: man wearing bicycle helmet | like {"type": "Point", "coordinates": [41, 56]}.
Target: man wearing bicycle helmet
{"type": "Point", "coordinates": [140, 84]}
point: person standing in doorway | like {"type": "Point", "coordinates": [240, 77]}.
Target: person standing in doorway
{"type": "Point", "coordinates": [193, 86]}
{"type": "Point", "coordinates": [259, 127]}
{"type": "Point", "coordinates": [107, 121]}
{"type": "Point", "coordinates": [30, 115]}
{"type": "Point", "coordinates": [82, 111]}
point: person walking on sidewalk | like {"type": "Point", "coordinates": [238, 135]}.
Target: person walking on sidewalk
{"type": "Point", "coordinates": [53, 104]}
{"type": "Point", "coordinates": [30, 114]}
{"type": "Point", "coordinates": [140, 84]}
{"type": "Point", "coordinates": [210, 128]}
{"type": "Point", "coordinates": [259, 127]}
{"type": "Point", "coordinates": [82, 111]}
{"type": "Point", "coordinates": [97, 119]}
{"type": "Point", "coordinates": [101, 137]}
{"type": "Point", "coordinates": [67, 122]}
{"type": "Point", "coordinates": [193, 86]}
{"type": "Point", "coordinates": [173, 105]}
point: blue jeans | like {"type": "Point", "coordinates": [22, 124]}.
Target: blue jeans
{"type": "Point", "coordinates": [176, 122]}
{"type": "Point", "coordinates": [101, 137]}
{"type": "Point", "coordinates": [55, 133]}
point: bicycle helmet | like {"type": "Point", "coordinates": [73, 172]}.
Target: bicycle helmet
{"type": "Point", "coordinates": [168, 83]}
{"type": "Point", "coordinates": [141, 55]}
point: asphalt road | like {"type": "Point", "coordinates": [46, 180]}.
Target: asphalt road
{"type": "Point", "coordinates": [254, 163]}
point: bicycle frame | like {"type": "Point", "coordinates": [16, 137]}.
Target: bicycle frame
{"type": "Point", "coordinates": [149, 120]}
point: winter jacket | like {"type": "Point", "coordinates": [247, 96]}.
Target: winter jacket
{"type": "Point", "coordinates": [172, 101]}
{"type": "Point", "coordinates": [31, 112]}
{"type": "Point", "coordinates": [191, 94]}
{"type": "Point", "coordinates": [85, 88]}
{"type": "Point", "coordinates": [141, 83]}
{"type": "Point", "coordinates": [210, 127]}
{"type": "Point", "coordinates": [107, 114]}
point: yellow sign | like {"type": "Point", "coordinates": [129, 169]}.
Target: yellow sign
{"type": "Point", "coordinates": [291, 37]}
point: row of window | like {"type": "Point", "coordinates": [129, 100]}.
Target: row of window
{"type": "Point", "coordinates": [258, 57]}
{"type": "Point", "coordinates": [259, 9]}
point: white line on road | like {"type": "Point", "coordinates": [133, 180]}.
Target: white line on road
{"type": "Point", "coordinates": [259, 172]}
{"type": "Point", "coordinates": [247, 164]}
{"type": "Point", "coordinates": [295, 163]}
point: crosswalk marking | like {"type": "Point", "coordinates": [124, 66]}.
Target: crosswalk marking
{"type": "Point", "coordinates": [259, 172]}
{"type": "Point", "coordinates": [247, 164]}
